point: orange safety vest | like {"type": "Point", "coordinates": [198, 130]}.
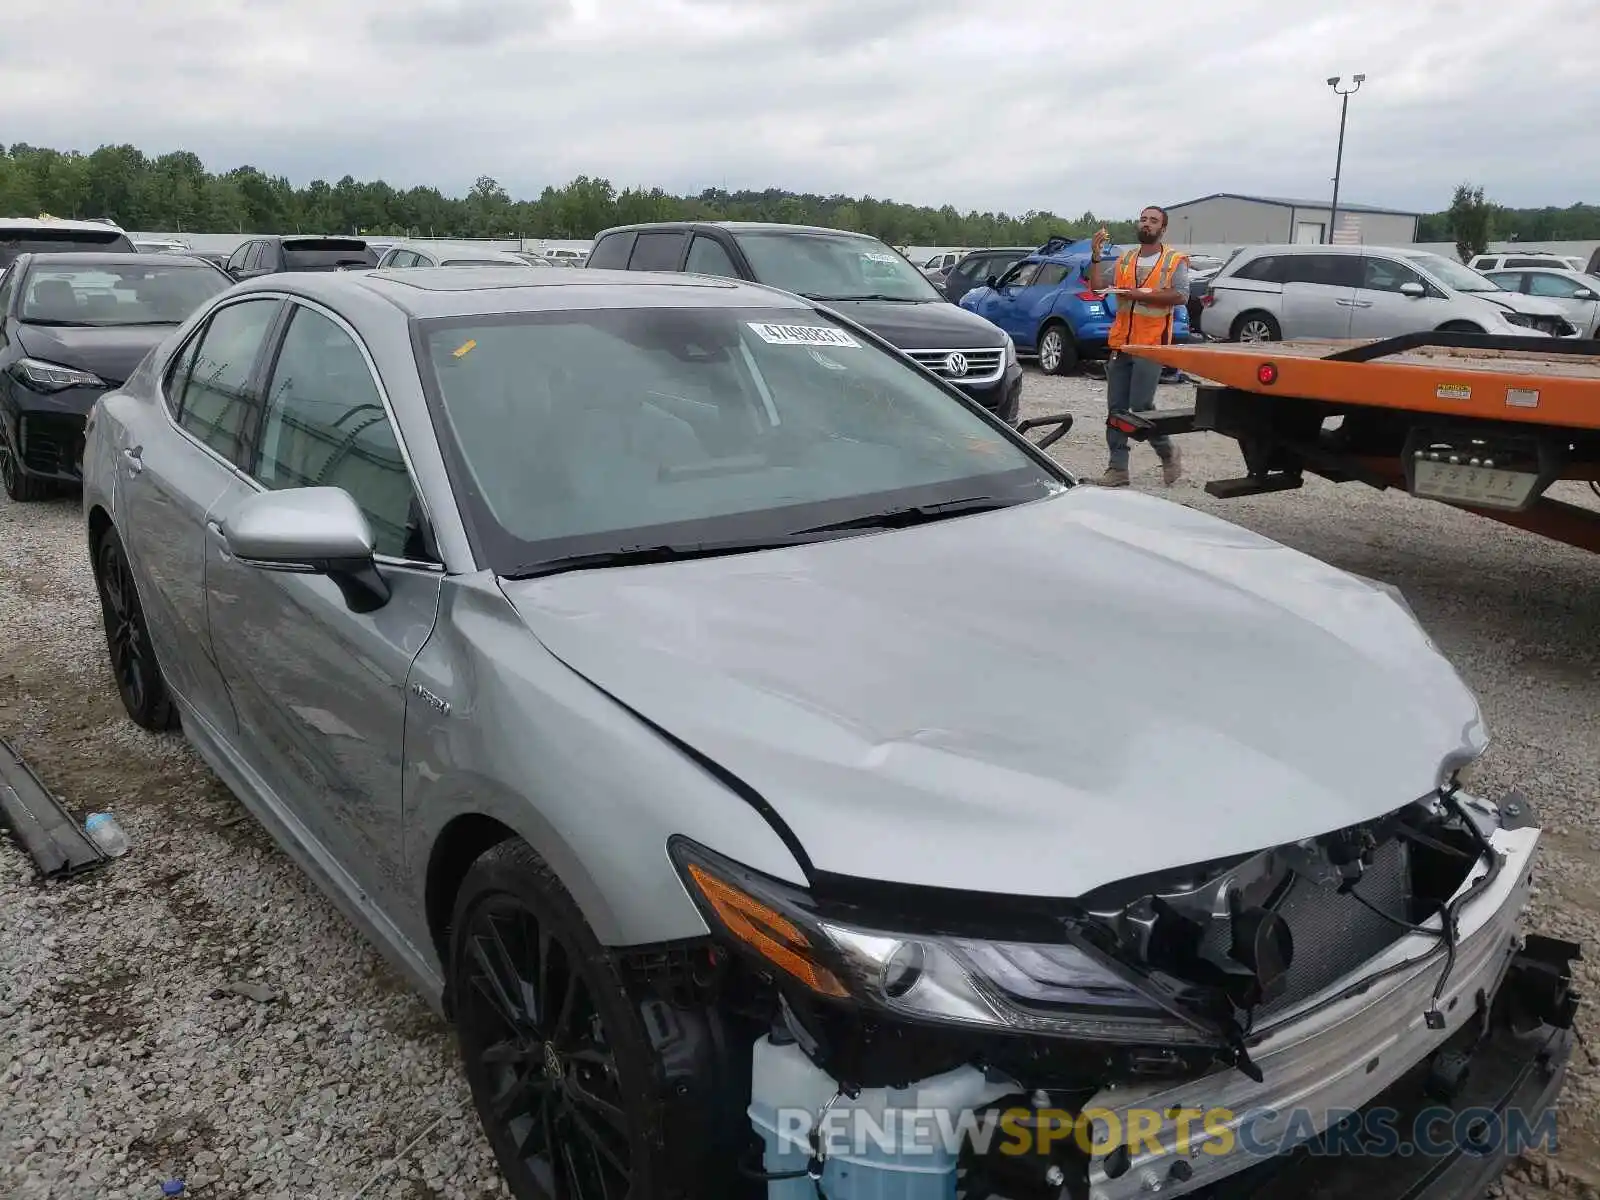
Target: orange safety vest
{"type": "Point", "coordinates": [1143, 324]}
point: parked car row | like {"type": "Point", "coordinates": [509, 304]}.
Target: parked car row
{"type": "Point", "coordinates": [622, 651]}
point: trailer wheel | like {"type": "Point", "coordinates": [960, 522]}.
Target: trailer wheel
{"type": "Point", "coordinates": [1255, 327]}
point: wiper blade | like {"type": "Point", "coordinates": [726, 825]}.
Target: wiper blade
{"type": "Point", "coordinates": [914, 514]}
{"type": "Point", "coordinates": [634, 556]}
{"type": "Point", "coordinates": [51, 323]}
{"type": "Point", "coordinates": [865, 296]}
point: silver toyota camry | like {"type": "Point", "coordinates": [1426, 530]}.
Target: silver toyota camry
{"type": "Point", "coordinates": [736, 732]}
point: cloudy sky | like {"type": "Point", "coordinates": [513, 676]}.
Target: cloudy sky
{"type": "Point", "coordinates": [989, 104]}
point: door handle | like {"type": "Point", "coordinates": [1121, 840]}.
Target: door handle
{"type": "Point", "coordinates": [133, 456]}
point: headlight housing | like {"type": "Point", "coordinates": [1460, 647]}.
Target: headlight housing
{"type": "Point", "coordinates": [1011, 352]}
{"type": "Point", "coordinates": [1059, 989]}
{"type": "Point", "coordinates": [44, 376]}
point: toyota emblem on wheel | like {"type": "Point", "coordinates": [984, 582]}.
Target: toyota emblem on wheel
{"type": "Point", "coordinates": [956, 365]}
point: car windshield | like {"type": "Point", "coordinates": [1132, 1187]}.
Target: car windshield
{"type": "Point", "coordinates": [154, 293]}
{"type": "Point", "coordinates": [604, 430]}
{"type": "Point", "coordinates": [832, 266]}
{"type": "Point", "coordinates": [1453, 275]}
{"type": "Point", "coordinates": [14, 241]}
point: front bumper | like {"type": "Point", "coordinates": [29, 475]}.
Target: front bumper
{"type": "Point", "coordinates": [46, 430]}
{"type": "Point", "coordinates": [1002, 396]}
{"type": "Point", "coordinates": [1327, 1057]}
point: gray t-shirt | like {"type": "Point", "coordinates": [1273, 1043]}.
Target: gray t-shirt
{"type": "Point", "coordinates": [1104, 272]}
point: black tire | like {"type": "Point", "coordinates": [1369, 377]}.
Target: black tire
{"type": "Point", "coordinates": [1255, 326]}
{"type": "Point", "coordinates": [1058, 353]}
{"type": "Point", "coordinates": [560, 1096]}
{"type": "Point", "coordinates": [20, 487]}
{"type": "Point", "coordinates": [133, 657]}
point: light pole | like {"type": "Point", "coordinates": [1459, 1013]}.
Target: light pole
{"type": "Point", "coordinates": [1338, 162]}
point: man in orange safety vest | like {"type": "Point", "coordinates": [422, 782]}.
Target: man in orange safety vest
{"type": "Point", "coordinates": [1149, 283]}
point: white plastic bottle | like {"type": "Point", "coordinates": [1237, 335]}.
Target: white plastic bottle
{"type": "Point", "coordinates": [104, 832]}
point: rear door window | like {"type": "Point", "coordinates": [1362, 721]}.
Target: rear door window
{"type": "Point", "coordinates": [611, 252]}
{"type": "Point", "coordinates": [707, 256]}
{"type": "Point", "coordinates": [1050, 274]}
{"type": "Point", "coordinates": [1328, 270]}
{"type": "Point", "coordinates": [658, 251]}
{"type": "Point", "coordinates": [1269, 268]}
{"type": "Point", "coordinates": [214, 396]}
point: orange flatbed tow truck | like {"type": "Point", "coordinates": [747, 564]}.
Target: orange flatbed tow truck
{"type": "Point", "coordinates": [1481, 422]}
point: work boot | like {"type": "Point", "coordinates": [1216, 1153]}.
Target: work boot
{"type": "Point", "coordinates": [1172, 468]}
{"type": "Point", "coordinates": [1112, 478]}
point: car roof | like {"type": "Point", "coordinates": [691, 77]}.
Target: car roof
{"type": "Point", "coordinates": [444, 249]}
{"type": "Point", "coordinates": [424, 292]}
{"type": "Point", "coordinates": [735, 227]}
{"type": "Point", "coordinates": [31, 223]}
{"type": "Point", "coordinates": [111, 258]}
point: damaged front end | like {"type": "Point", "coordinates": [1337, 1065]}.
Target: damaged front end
{"type": "Point", "coordinates": [1178, 1032]}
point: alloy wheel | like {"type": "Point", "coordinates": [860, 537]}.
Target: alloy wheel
{"type": "Point", "coordinates": [126, 637]}
{"type": "Point", "coordinates": [1050, 350]}
{"type": "Point", "coordinates": [538, 1059]}
{"type": "Point", "coordinates": [1255, 331]}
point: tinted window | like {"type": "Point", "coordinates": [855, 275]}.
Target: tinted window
{"type": "Point", "coordinates": [178, 375]}
{"type": "Point", "coordinates": [157, 294]}
{"type": "Point", "coordinates": [1532, 262]}
{"type": "Point", "coordinates": [1266, 269]}
{"type": "Point", "coordinates": [261, 257]}
{"type": "Point", "coordinates": [833, 266]}
{"type": "Point", "coordinates": [326, 254]}
{"type": "Point", "coordinates": [612, 252]}
{"type": "Point", "coordinates": [1050, 274]}
{"type": "Point", "coordinates": [576, 431]}
{"type": "Point", "coordinates": [1329, 270]}
{"type": "Point", "coordinates": [1386, 275]}
{"type": "Point", "coordinates": [400, 258]}
{"type": "Point", "coordinates": [216, 404]}
{"type": "Point", "coordinates": [1510, 280]}
{"type": "Point", "coordinates": [707, 256]}
{"type": "Point", "coordinates": [1555, 287]}
{"type": "Point", "coordinates": [240, 255]}
{"type": "Point", "coordinates": [326, 427]}
{"type": "Point", "coordinates": [8, 286]}
{"type": "Point", "coordinates": [657, 251]}
{"type": "Point", "coordinates": [15, 241]}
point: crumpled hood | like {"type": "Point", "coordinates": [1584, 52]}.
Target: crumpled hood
{"type": "Point", "coordinates": [1033, 701]}
{"type": "Point", "coordinates": [111, 352]}
{"type": "Point", "coordinates": [1533, 306]}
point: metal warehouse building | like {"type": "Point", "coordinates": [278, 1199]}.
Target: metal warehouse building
{"type": "Point", "coordinates": [1233, 220]}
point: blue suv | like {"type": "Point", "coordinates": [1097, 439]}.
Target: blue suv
{"type": "Point", "coordinates": [1045, 304]}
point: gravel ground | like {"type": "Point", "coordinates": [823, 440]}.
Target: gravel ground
{"type": "Point", "coordinates": [124, 1063]}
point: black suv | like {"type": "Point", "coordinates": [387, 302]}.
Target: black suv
{"type": "Point", "coordinates": [268, 255]}
{"type": "Point", "coordinates": [855, 274]}
{"type": "Point", "coordinates": [977, 266]}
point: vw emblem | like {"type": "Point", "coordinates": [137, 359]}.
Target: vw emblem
{"type": "Point", "coordinates": [955, 365]}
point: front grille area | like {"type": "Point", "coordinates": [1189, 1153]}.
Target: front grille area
{"type": "Point", "coordinates": [963, 366]}
{"type": "Point", "coordinates": [52, 445]}
{"type": "Point", "coordinates": [1333, 934]}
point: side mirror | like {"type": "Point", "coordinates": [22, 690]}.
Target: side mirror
{"type": "Point", "coordinates": [309, 531]}
{"type": "Point", "coordinates": [1585, 294]}
{"type": "Point", "coordinates": [1415, 290]}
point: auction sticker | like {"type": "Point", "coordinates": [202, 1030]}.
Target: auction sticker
{"type": "Point", "coordinates": [1522, 397]}
{"type": "Point", "coordinates": [1454, 391]}
{"type": "Point", "coordinates": [802, 335]}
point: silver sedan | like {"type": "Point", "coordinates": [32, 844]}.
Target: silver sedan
{"type": "Point", "coordinates": [718, 716]}
{"type": "Point", "coordinates": [1574, 292]}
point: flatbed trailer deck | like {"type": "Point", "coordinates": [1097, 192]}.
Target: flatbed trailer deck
{"type": "Point", "coordinates": [1483, 423]}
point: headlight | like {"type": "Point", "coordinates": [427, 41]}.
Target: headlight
{"type": "Point", "coordinates": [1521, 319]}
{"type": "Point", "coordinates": [1011, 352]}
{"type": "Point", "coordinates": [1054, 989]}
{"type": "Point", "coordinates": [52, 377]}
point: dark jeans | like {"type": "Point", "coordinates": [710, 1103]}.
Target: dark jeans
{"type": "Point", "coordinates": [1131, 387]}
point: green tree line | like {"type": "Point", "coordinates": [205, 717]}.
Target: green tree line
{"type": "Point", "coordinates": [175, 192]}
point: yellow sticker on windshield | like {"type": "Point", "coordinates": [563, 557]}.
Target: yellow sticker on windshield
{"type": "Point", "coordinates": [465, 348]}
